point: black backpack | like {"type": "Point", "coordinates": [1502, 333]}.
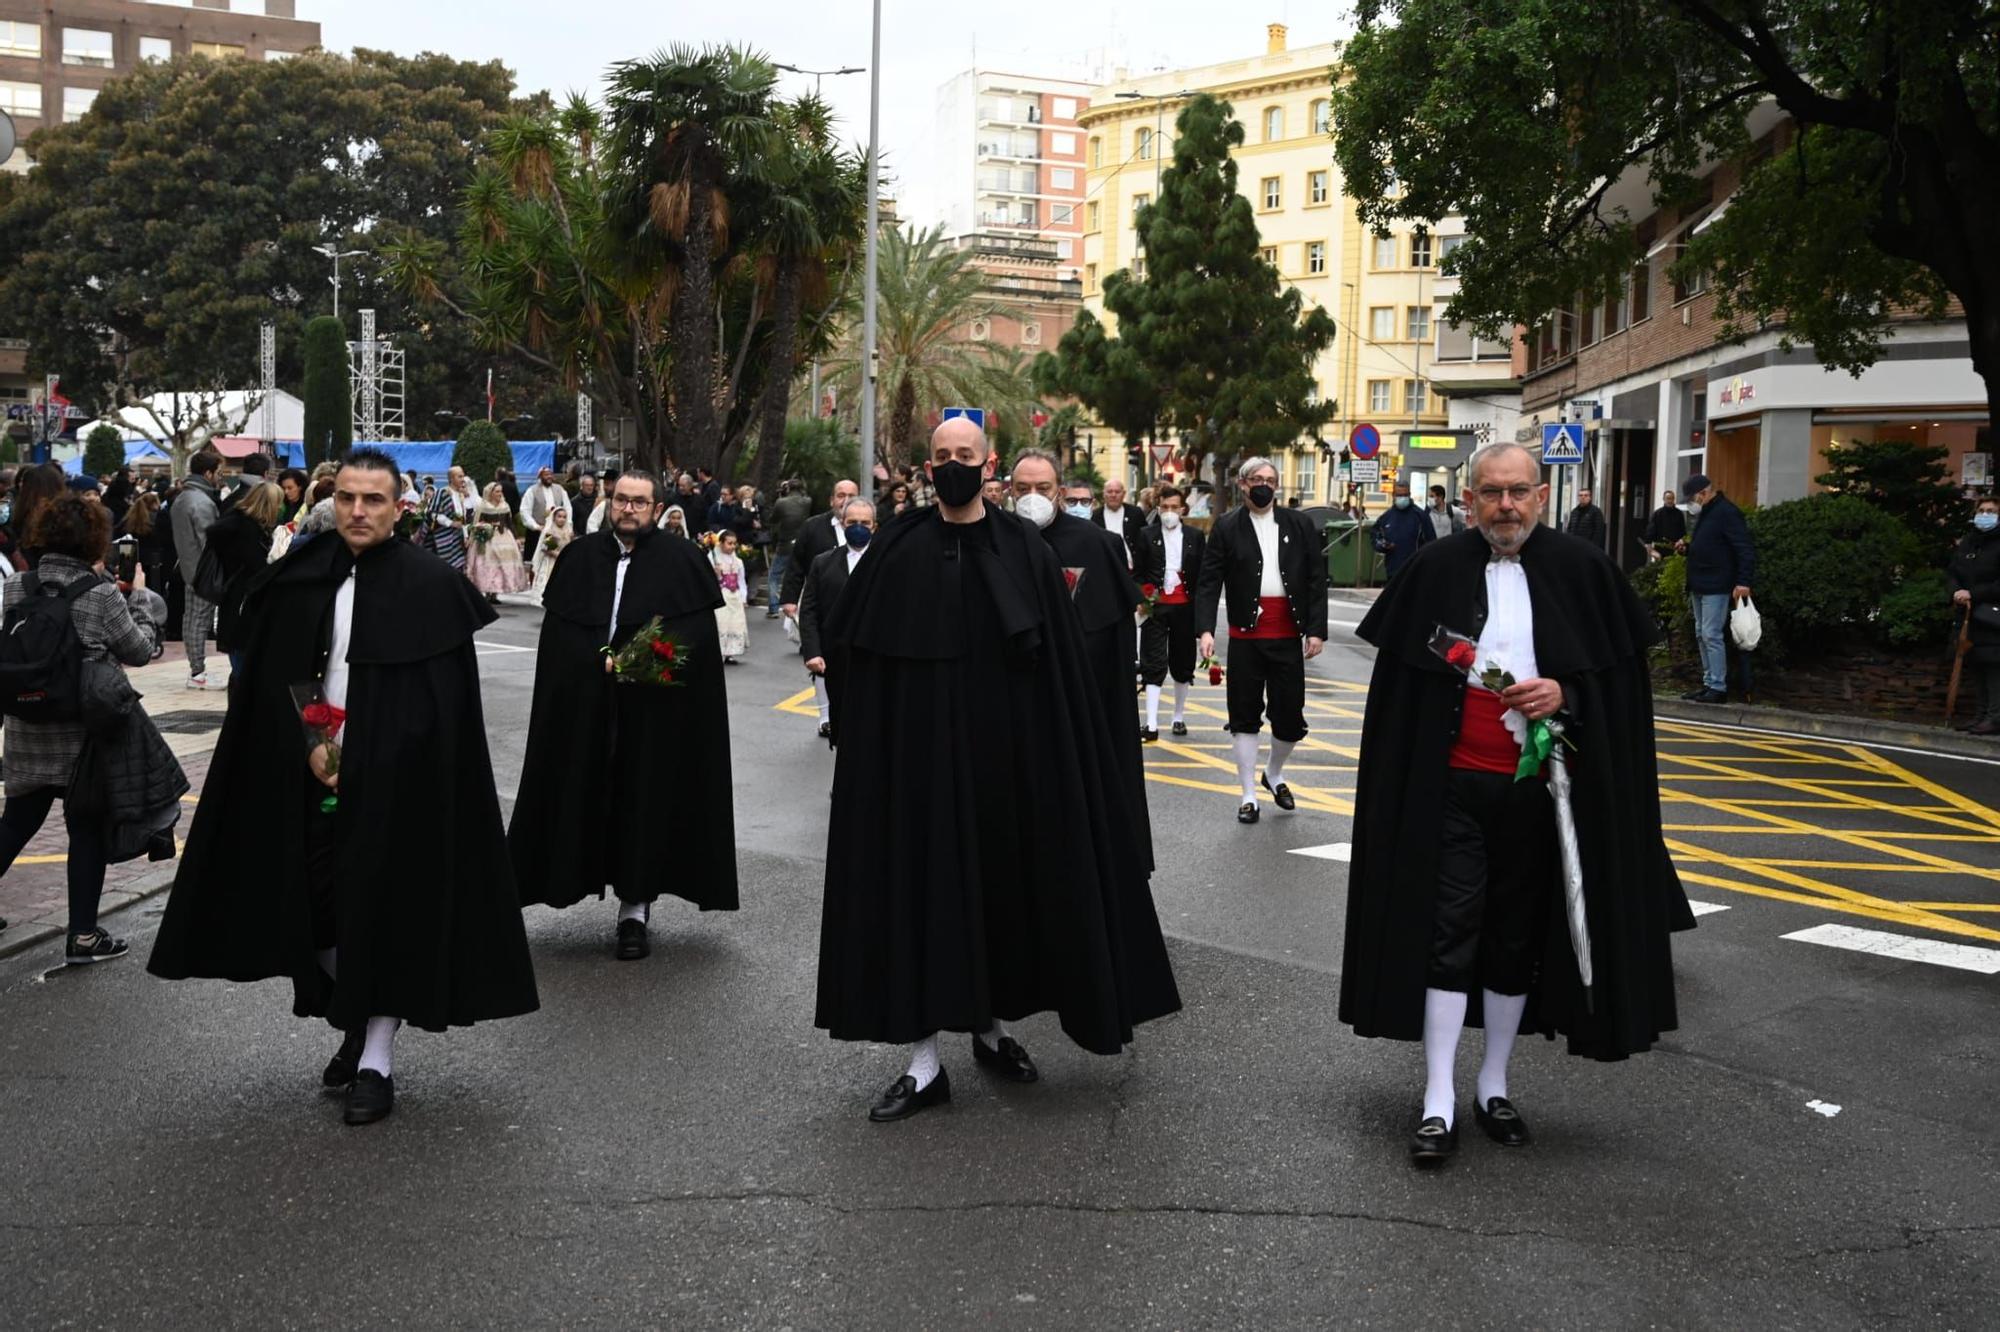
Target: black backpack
{"type": "Point", "coordinates": [41, 656]}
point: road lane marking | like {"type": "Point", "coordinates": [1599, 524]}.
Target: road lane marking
{"type": "Point", "coordinates": [485, 649]}
{"type": "Point", "coordinates": [1903, 947]}
{"type": "Point", "coordinates": [1341, 851]}
{"type": "Point", "coordinates": [1833, 895]}
{"type": "Point", "coordinates": [800, 704]}
{"type": "Point", "coordinates": [1705, 908]}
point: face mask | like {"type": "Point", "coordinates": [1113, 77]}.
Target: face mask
{"type": "Point", "coordinates": [1402, 501]}
{"type": "Point", "coordinates": [957, 483]}
{"type": "Point", "coordinates": [1037, 509]}
{"type": "Point", "coordinates": [6, 511]}
{"type": "Point", "coordinates": [858, 535]}
{"type": "Point", "coordinates": [1261, 496]}
{"type": "Point", "coordinates": [1985, 522]}
{"type": "Point", "coordinates": [1694, 507]}
{"type": "Point", "coordinates": [1079, 511]}
{"type": "Point", "coordinates": [1170, 521]}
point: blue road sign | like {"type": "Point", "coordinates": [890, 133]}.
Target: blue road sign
{"type": "Point", "coordinates": [1364, 440]}
{"type": "Point", "coordinates": [1562, 443]}
{"type": "Point", "coordinates": [976, 415]}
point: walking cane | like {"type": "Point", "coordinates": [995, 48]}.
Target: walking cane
{"type": "Point", "coordinates": [1958, 664]}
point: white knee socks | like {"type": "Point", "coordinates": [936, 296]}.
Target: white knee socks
{"type": "Point", "coordinates": [1152, 707]}
{"type": "Point", "coordinates": [1180, 700]}
{"type": "Point", "coordinates": [631, 911]}
{"type": "Point", "coordinates": [994, 1034]}
{"type": "Point", "coordinates": [924, 1061]}
{"type": "Point", "coordinates": [1444, 1019]}
{"type": "Point", "coordinates": [1274, 766]}
{"type": "Point", "coordinates": [378, 1051]}
{"type": "Point", "coordinates": [1246, 766]}
{"type": "Point", "coordinates": [1503, 1024]}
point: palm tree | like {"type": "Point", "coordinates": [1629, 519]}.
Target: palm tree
{"type": "Point", "coordinates": [927, 297]}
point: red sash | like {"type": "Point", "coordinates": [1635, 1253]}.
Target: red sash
{"type": "Point", "coordinates": [1177, 597]}
{"type": "Point", "coordinates": [1274, 620]}
{"type": "Point", "coordinates": [1484, 743]}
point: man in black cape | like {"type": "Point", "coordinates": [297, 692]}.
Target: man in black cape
{"type": "Point", "coordinates": [1016, 886]}
{"type": "Point", "coordinates": [1105, 598]}
{"type": "Point", "coordinates": [275, 883]}
{"type": "Point", "coordinates": [1455, 900]}
{"type": "Point", "coordinates": [825, 581]}
{"type": "Point", "coordinates": [822, 532]}
{"type": "Point", "coordinates": [636, 752]}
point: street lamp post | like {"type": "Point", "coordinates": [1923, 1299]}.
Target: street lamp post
{"type": "Point", "coordinates": [819, 74]}
{"type": "Point", "coordinates": [867, 478]}
{"type": "Point", "coordinates": [335, 253]}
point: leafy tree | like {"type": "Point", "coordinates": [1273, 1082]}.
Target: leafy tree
{"type": "Point", "coordinates": [1229, 352]}
{"type": "Point", "coordinates": [1514, 114]}
{"type": "Point", "coordinates": [482, 451]}
{"type": "Point", "coordinates": [818, 451]}
{"type": "Point", "coordinates": [103, 450]}
{"type": "Point", "coordinates": [1903, 478]}
{"type": "Point", "coordinates": [329, 404]}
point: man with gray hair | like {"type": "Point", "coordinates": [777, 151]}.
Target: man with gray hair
{"type": "Point", "coordinates": [1485, 641]}
{"type": "Point", "coordinates": [1270, 563]}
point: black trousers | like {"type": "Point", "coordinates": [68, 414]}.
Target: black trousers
{"type": "Point", "coordinates": [1493, 882]}
{"type": "Point", "coordinates": [1166, 644]}
{"type": "Point", "coordinates": [23, 818]}
{"type": "Point", "coordinates": [1267, 676]}
{"type": "Point", "coordinates": [322, 865]}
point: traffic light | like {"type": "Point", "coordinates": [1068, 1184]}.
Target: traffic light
{"type": "Point", "coordinates": [1135, 455]}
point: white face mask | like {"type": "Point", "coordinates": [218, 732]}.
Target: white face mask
{"type": "Point", "coordinates": [1170, 520]}
{"type": "Point", "coordinates": [1037, 509]}
{"type": "Point", "coordinates": [1694, 507]}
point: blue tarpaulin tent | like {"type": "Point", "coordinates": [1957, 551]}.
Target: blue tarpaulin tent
{"type": "Point", "coordinates": [135, 449]}
{"type": "Point", "coordinates": [530, 456]}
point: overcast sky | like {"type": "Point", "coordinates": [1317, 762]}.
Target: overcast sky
{"type": "Point", "coordinates": [566, 46]}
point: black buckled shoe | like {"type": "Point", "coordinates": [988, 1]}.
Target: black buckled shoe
{"type": "Point", "coordinates": [1502, 1122]}
{"type": "Point", "coordinates": [1247, 812]}
{"type": "Point", "coordinates": [371, 1097]}
{"type": "Point", "coordinates": [1180, 728]}
{"type": "Point", "coordinates": [340, 1069]}
{"type": "Point", "coordinates": [1280, 793]}
{"type": "Point", "coordinates": [633, 941]}
{"type": "Point", "coordinates": [1433, 1142]}
{"type": "Point", "coordinates": [903, 1099]}
{"type": "Point", "coordinates": [1009, 1061]}
{"type": "Point", "coordinates": [1148, 735]}
{"type": "Point", "coordinates": [826, 730]}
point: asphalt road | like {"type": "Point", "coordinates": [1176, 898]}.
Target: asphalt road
{"type": "Point", "coordinates": [672, 1143]}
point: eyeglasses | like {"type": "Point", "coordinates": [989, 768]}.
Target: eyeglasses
{"type": "Point", "coordinates": [1494, 494]}
{"type": "Point", "coordinates": [629, 502]}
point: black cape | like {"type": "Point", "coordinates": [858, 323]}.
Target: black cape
{"type": "Point", "coordinates": [1591, 634]}
{"type": "Point", "coordinates": [428, 926]}
{"type": "Point", "coordinates": [640, 774]}
{"type": "Point", "coordinates": [972, 744]}
{"type": "Point", "coordinates": [1105, 598]}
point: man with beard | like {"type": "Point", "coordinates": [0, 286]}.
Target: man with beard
{"type": "Point", "coordinates": [315, 885]}
{"type": "Point", "coordinates": [1169, 561]}
{"type": "Point", "coordinates": [1015, 886]}
{"type": "Point", "coordinates": [1104, 595]}
{"type": "Point", "coordinates": [637, 753]}
{"type": "Point", "coordinates": [825, 581]}
{"type": "Point", "coordinates": [1455, 908]}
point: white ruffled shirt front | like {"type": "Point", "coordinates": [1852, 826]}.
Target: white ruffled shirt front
{"type": "Point", "coordinates": [1508, 641]}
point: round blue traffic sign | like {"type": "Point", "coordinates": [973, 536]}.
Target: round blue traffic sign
{"type": "Point", "coordinates": [1364, 440]}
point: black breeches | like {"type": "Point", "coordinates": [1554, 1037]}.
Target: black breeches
{"type": "Point", "coordinates": [1493, 877]}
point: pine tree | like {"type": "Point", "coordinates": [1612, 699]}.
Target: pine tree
{"type": "Point", "coordinates": [329, 405]}
{"type": "Point", "coordinates": [103, 451]}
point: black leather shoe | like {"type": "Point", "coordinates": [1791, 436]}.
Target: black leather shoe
{"type": "Point", "coordinates": [340, 1068]}
{"type": "Point", "coordinates": [371, 1097]}
{"type": "Point", "coordinates": [903, 1099]}
{"type": "Point", "coordinates": [825, 730]}
{"type": "Point", "coordinates": [1147, 737]}
{"type": "Point", "coordinates": [1502, 1122]}
{"type": "Point", "coordinates": [1280, 793]}
{"type": "Point", "coordinates": [1709, 696]}
{"type": "Point", "coordinates": [1247, 812]}
{"type": "Point", "coordinates": [1982, 728]}
{"type": "Point", "coordinates": [1010, 1061]}
{"type": "Point", "coordinates": [1693, 694]}
{"type": "Point", "coordinates": [1180, 728]}
{"type": "Point", "coordinates": [1433, 1142]}
{"type": "Point", "coordinates": [633, 942]}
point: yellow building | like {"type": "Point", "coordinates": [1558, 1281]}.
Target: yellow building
{"type": "Point", "coordinates": [1379, 290]}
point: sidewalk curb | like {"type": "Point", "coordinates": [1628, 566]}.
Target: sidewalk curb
{"type": "Point", "coordinates": [1828, 726]}
{"type": "Point", "coordinates": [20, 938]}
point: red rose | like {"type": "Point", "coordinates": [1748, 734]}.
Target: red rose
{"type": "Point", "coordinates": [1148, 591]}
{"type": "Point", "coordinates": [1461, 655]}
{"type": "Point", "coordinates": [319, 716]}
{"type": "Point", "coordinates": [663, 650]}
{"type": "Point", "coordinates": [1215, 675]}
{"type": "Point", "coordinates": [666, 677]}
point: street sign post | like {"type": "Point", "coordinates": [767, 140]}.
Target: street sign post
{"type": "Point", "coordinates": [976, 415]}
{"type": "Point", "coordinates": [1161, 451]}
{"type": "Point", "coordinates": [1367, 472]}
{"type": "Point", "coordinates": [1562, 445]}
{"type": "Point", "coordinates": [1364, 440]}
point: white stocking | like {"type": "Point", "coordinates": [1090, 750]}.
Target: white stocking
{"type": "Point", "coordinates": [1503, 1024]}
{"type": "Point", "coordinates": [924, 1061]}
{"type": "Point", "coordinates": [1444, 1019]}
{"type": "Point", "coordinates": [378, 1053]}
{"type": "Point", "coordinates": [1274, 767]}
{"type": "Point", "coordinates": [1180, 700]}
{"type": "Point", "coordinates": [1152, 707]}
{"type": "Point", "coordinates": [1246, 765]}
{"type": "Point", "coordinates": [994, 1034]}
{"type": "Point", "coordinates": [631, 911]}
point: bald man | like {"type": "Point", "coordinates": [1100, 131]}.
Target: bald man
{"type": "Point", "coordinates": [1016, 886]}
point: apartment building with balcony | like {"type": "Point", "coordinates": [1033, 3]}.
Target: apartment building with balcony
{"type": "Point", "coordinates": [1381, 291]}
{"type": "Point", "coordinates": [1007, 160]}
{"type": "Point", "coordinates": [1035, 295]}
{"type": "Point", "coordinates": [1661, 398]}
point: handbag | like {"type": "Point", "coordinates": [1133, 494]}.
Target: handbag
{"type": "Point", "coordinates": [1746, 627]}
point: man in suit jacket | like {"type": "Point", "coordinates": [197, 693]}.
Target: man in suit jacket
{"type": "Point", "coordinates": [1271, 563]}
{"type": "Point", "coordinates": [1122, 520]}
{"type": "Point", "coordinates": [824, 582]}
{"type": "Point", "coordinates": [1168, 561]}
{"type": "Point", "coordinates": [822, 532]}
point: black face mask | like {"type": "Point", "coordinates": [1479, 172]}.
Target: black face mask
{"type": "Point", "coordinates": [957, 483]}
{"type": "Point", "coordinates": [1261, 496]}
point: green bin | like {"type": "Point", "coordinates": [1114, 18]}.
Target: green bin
{"type": "Point", "coordinates": [1351, 557]}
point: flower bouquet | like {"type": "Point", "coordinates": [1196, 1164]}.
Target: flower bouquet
{"type": "Point", "coordinates": [1540, 737]}
{"type": "Point", "coordinates": [551, 543]}
{"type": "Point", "coordinates": [481, 533]}
{"type": "Point", "coordinates": [1212, 666]}
{"type": "Point", "coordinates": [649, 657]}
{"type": "Point", "coordinates": [323, 723]}
{"type": "Point", "coordinates": [409, 520]}
{"type": "Point", "coordinates": [1149, 599]}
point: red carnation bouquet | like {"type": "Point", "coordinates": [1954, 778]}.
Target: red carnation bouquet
{"type": "Point", "coordinates": [650, 657]}
{"type": "Point", "coordinates": [323, 723]}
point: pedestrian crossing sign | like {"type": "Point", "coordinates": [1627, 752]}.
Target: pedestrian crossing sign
{"type": "Point", "coordinates": [1562, 443]}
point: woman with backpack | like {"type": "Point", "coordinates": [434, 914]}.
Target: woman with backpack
{"type": "Point", "coordinates": [69, 535]}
